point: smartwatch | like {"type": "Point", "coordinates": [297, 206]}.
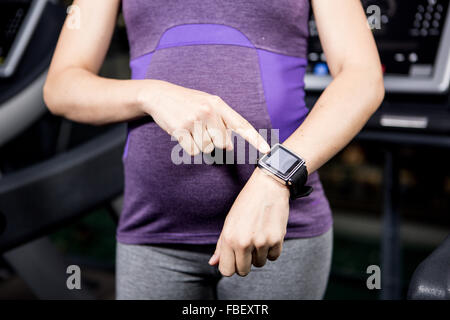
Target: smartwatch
{"type": "Point", "coordinates": [287, 168]}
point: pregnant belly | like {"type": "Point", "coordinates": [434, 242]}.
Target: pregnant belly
{"type": "Point", "coordinates": [160, 193]}
{"type": "Point", "coordinates": [158, 186]}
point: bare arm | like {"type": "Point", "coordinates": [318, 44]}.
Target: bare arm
{"type": "Point", "coordinates": [74, 90]}
{"type": "Point", "coordinates": [356, 90]}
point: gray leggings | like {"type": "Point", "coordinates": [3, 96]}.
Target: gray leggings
{"type": "Point", "coordinates": [180, 271]}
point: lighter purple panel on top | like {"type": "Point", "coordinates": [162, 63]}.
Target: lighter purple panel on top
{"type": "Point", "coordinates": [282, 76]}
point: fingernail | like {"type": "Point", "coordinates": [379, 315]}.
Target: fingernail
{"type": "Point", "coordinates": [209, 148]}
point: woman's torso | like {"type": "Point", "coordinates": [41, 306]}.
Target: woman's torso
{"type": "Point", "coordinates": [251, 54]}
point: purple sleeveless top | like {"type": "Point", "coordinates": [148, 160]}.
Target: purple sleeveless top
{"type": "Point", "coordinates": [250, 53]}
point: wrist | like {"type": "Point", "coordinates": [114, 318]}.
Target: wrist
{"type": "Point", "coordinates": [264, 179]}
{"type": "Point", "coordinates": [147, 95]}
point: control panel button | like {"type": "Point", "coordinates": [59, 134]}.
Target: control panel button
{"type": "Point", "coordinates": [321, 69]}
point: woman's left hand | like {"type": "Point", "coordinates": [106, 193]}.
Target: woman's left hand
{"type": "Point", "coordinates": [255, 226]}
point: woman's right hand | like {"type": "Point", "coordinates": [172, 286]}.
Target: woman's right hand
{"type": "Point", "coordinates": [198, 120]}
{"type": "Point", "coordinates": [73, 89]}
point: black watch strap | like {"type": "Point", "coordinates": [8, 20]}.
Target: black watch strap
{"type": "Point", "coordinates": [297, 186]}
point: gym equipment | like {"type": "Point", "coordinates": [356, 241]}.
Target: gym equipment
{"type": "Point", "coordinates": [18, 21]}
{"type": "Point", "coordinates": [431, 280]}
{"type": "Point", "coordinates": [413, 38]}
{"type": "Point", "coordinates": [42, 196]}
{"type": "Point", "coordinates": [21, 100]}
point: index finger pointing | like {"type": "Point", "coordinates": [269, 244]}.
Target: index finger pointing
{"type": "Point", "coordinates": [241, 126]}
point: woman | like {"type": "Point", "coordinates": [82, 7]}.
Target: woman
{"type": "Point", "coordinates": [201, 69]}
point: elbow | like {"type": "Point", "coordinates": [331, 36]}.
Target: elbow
{"type": "Point", "coordinates": [369, 81]}
{"type": "Point", "coordinates": [57, 97]}
{"type": "Point", "coordinates": [379, 90]}
{"type": "Point", "coordinates": [375, 89]}
{"type": "Point", "coordinates": [58, 104]}
{"type": "Point", "coordinates": [50, 96]}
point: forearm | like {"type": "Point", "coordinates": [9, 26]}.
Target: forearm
{"type": "Point", "coordinates": [82, 96]}
{"type": "Point", "coordinates": [339, 114]}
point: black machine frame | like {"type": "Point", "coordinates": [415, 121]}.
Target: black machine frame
{"type": "Point", "coordinates": [438, 83]}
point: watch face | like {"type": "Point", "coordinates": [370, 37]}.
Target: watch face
{"type": "Point", "coordinates": [281, 161]}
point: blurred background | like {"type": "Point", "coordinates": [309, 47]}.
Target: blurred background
{"type": "Point", "coordinates": [61, 182]}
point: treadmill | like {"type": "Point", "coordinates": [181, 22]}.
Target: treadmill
{"type": "Point", "coordinates": [57, 180]}
{"type": "Point", "coordinates": [413, 39]}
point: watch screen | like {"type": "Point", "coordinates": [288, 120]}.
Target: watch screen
{"type": "Point", "coordinates": [281, 160]}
